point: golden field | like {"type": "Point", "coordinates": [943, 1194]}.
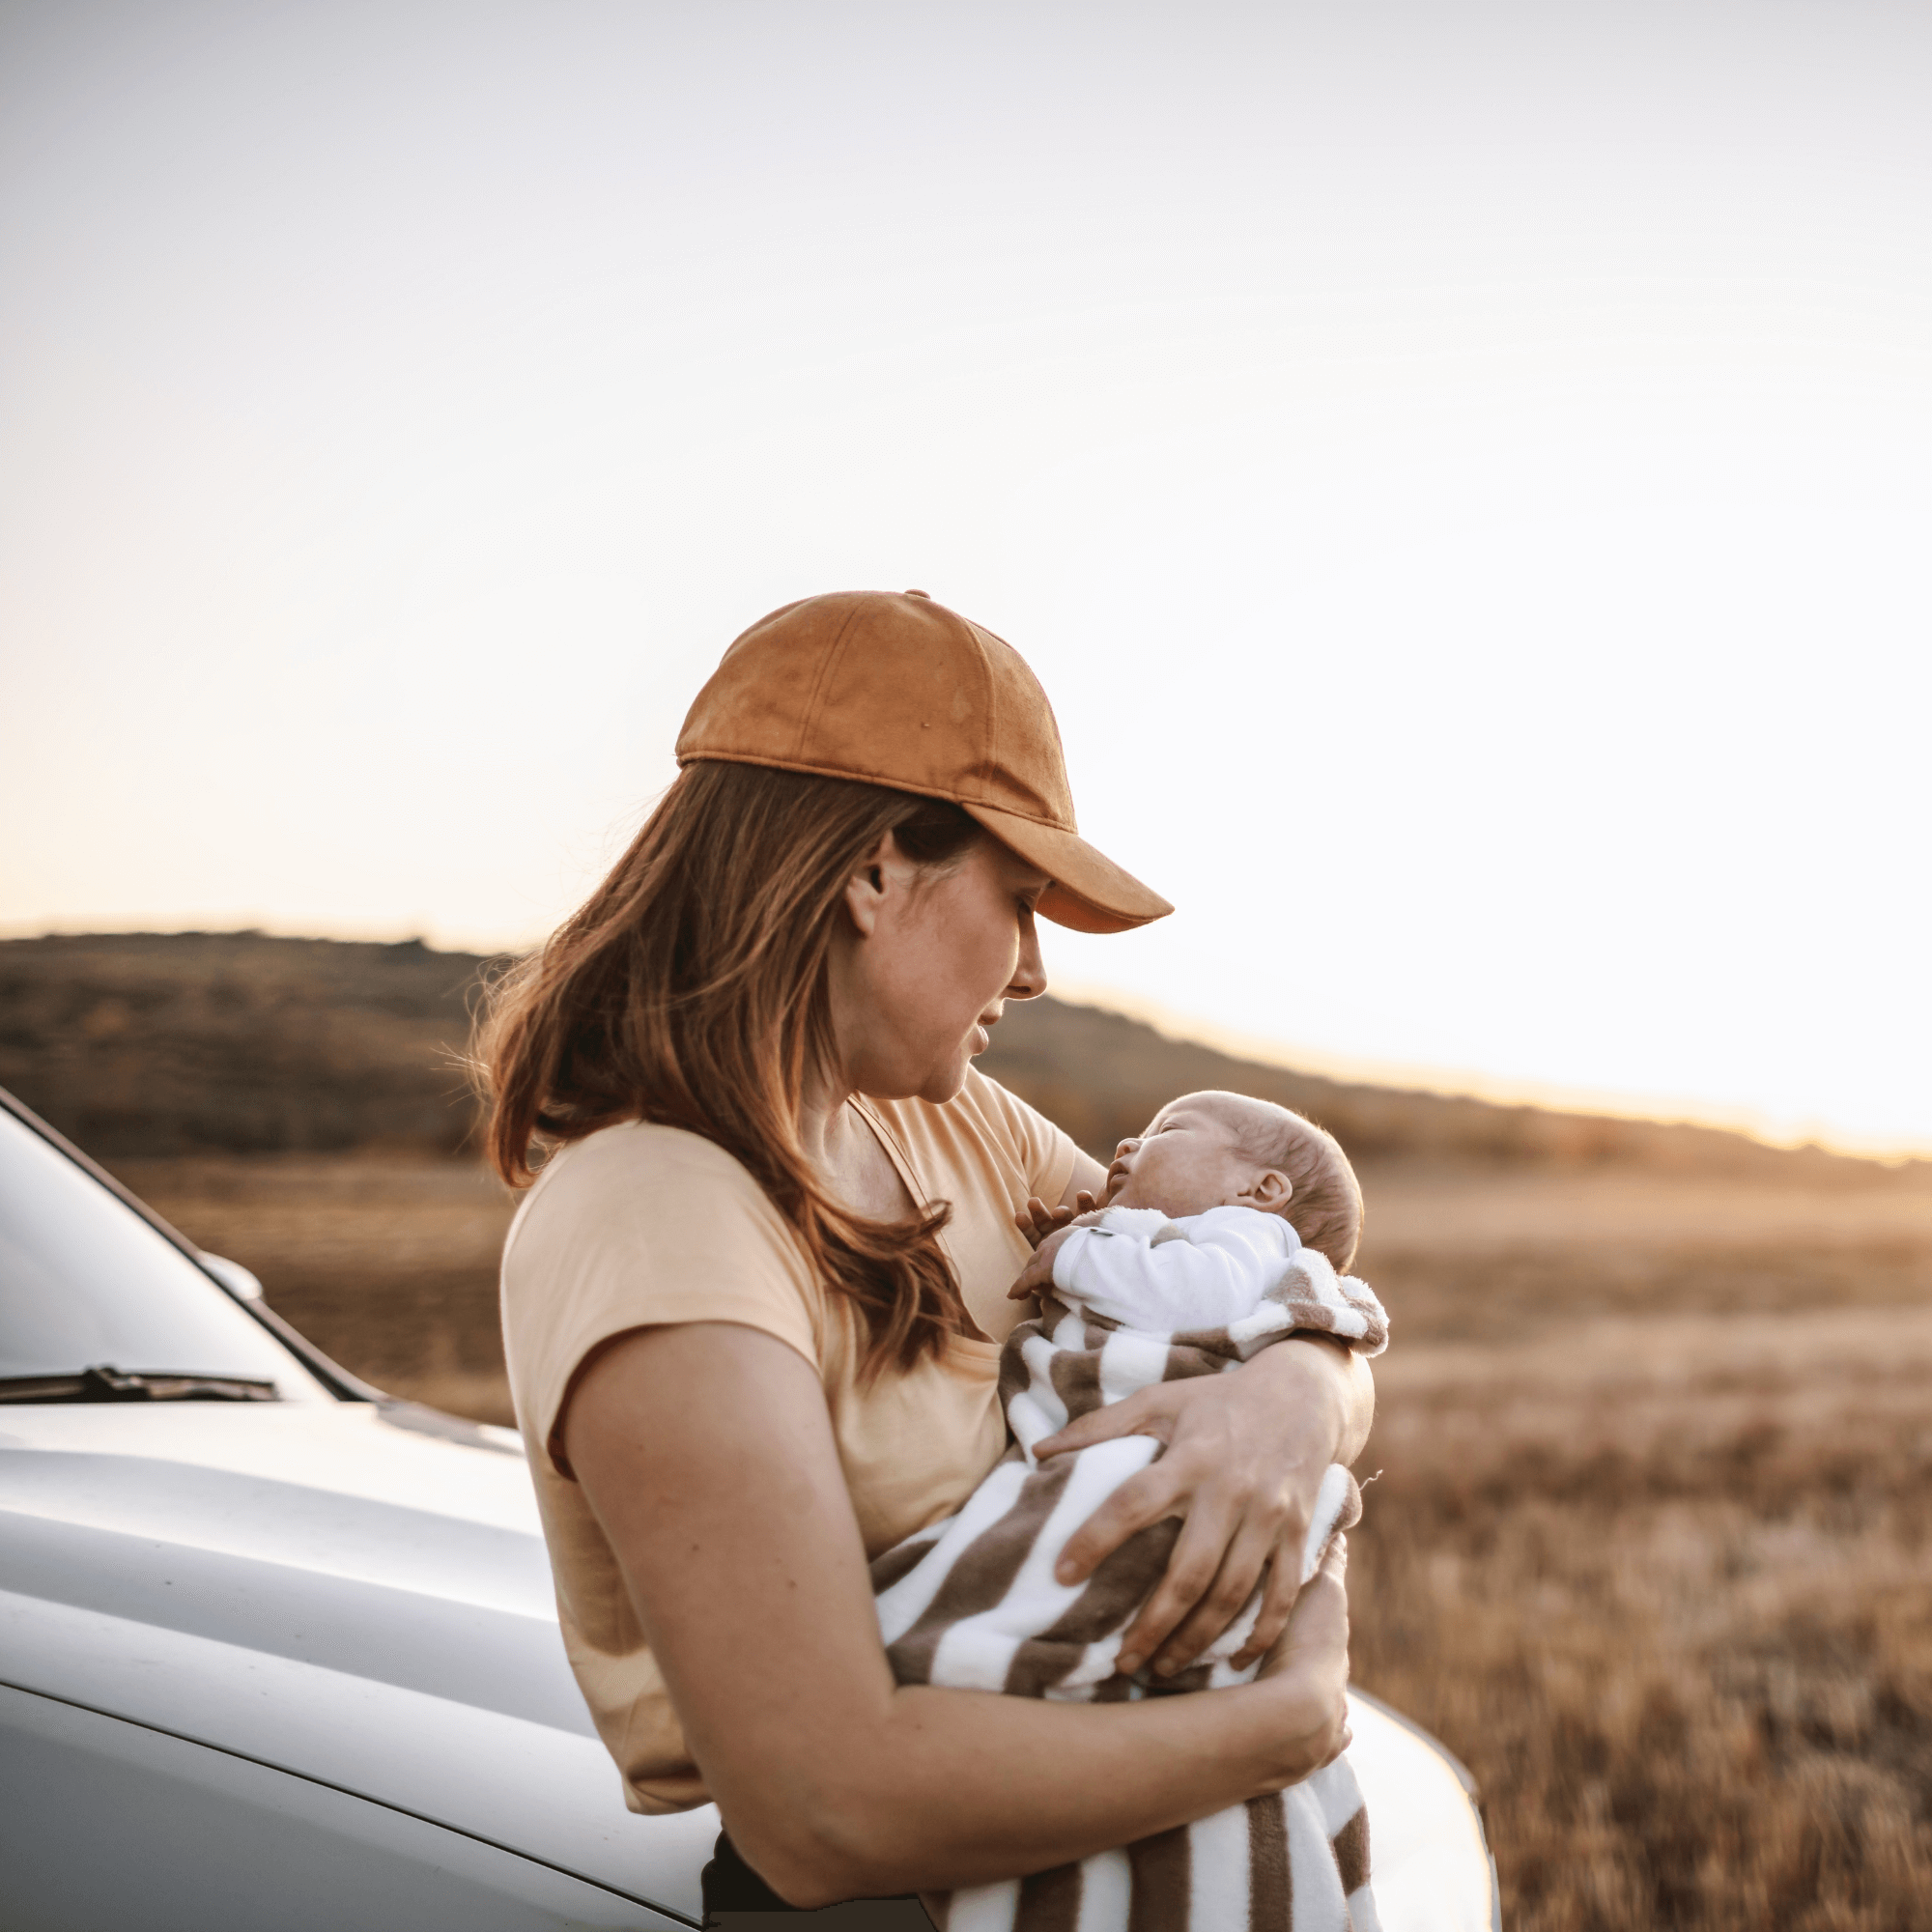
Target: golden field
{"type": "Point", "coordinates": [1648, 1549]}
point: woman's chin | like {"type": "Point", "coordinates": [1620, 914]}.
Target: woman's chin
{"type": "Point", "coordinates": [944, 1082]}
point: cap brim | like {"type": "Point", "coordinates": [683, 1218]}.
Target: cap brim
{"type": "Point", "coordinates": [1089, 893]}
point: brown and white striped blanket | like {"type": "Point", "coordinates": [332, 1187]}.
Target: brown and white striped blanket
{"type": "Point", "coordinates": [972, 1603]}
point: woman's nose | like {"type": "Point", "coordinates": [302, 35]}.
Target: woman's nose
{"type": "Point", "coordinates": [1028, 981]}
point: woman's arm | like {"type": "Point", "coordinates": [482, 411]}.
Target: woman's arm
{"type": "Point", "coordinates": [1245, 1455]}
{"type": "Point", "coordinates": [707, 1455]}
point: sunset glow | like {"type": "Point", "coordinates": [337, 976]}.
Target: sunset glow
{"type": "Point", "coordinates": [1462, 475]}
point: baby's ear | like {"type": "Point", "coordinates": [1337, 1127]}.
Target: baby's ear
{"type": "Point", "coordinates": [1269, 1191]}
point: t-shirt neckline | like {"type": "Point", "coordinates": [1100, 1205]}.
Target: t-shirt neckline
{"type": "Point", "coordinates": [900, 1156]}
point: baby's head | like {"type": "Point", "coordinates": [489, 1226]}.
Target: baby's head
{"type": "Point", "coordinates": [1226, 1151]}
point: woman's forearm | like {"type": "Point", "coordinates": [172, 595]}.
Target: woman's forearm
{"type": "Point", "coordinates": [947, 1788]}
{"type": "Point", "coordinates": [902, 1809]}
{"type": "Point", "coordinates": [707, 1456]}
{"type": "Point", "coordinates": [1330, 1378]}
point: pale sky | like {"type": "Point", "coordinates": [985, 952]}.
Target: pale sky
{"type": "Point", "coordinates": [1462, 473]}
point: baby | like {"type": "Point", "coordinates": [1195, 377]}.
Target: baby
{"type": "Point", "coordinates": [1225, 1227]}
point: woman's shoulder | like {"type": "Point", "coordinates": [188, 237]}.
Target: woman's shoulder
{"type": "Point", "coordinates": [638, 1226]}
{"type": "Point", "coordinates": [639, 1181]}
{"type": "Point", "coordinates": [638, 1153]}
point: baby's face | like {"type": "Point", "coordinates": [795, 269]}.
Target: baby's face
{"type": "Point", "coordinates": [1189, 1159]}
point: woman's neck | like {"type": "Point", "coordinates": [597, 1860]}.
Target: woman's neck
{"type": "Point", "coordinates": [851, 1163]}
{"type": "Point", "coordinates": [825, 1122]}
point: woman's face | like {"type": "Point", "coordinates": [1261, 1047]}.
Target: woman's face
{"type": "Point", "coordinates": [926, 964]}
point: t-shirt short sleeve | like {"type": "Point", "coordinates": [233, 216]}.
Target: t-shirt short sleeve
{"type": "Point", "coordinates": [636, 1226]}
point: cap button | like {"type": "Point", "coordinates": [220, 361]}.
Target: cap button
{"type": "Point", "coordinates": [927, 595]}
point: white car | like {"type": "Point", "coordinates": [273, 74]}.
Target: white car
{"type": "Point", "coordinates": [279, 1652]}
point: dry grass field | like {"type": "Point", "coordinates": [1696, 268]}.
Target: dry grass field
{"type": "Point", "coordinates": [1649, 1549]}
{"type": "Point", "coordinates": [388, 1262]}
{"type": "Point", "coordinates": [1651, 1545]}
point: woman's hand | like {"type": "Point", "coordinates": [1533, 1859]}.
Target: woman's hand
{"type": "Point", "coordinates": [1245, 1455]}
{"type": "Point", "coordinates": [1311, 1663]}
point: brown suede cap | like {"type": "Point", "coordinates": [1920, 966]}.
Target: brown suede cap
{"type": "Point", "coordinates": [895, 690]}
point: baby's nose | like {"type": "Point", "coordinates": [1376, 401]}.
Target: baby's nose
{"type": "Point", "coordinates": [1125, 1147]}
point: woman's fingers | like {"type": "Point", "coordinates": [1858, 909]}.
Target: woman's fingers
{"type": "Point", "coordinates": [1147, 1499]}
{"type": "Point", "coordinates": [1156, 1492]}
{"type": "Point", "coordinates": [1318, 1627]}
{"type": "Point", "coordinates": [1190, 1575]}
{"type": "Point", "coordinates": [1148, 1412]}
{"type": "Point", "coordinates": [1244, 1518]}
{"type": "Point", "coordinates": [1334, 1565]}
{"type": "Point", "coordinates": [1278, 1596]}
{"type": "Point", "coordinates": [1310, 1663]}
{"type": "Point", "coordinates": [1195, 1624]}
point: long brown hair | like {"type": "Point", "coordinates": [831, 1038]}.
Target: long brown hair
{"type": "Point", "coordinates": [691, 989]}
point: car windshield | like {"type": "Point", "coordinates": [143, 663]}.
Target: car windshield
{"type": "Point", "coordinates": [85, 1283]}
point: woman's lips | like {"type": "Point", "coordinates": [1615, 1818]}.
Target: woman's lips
{"type": "Point", "coordinates": [982, 1040]}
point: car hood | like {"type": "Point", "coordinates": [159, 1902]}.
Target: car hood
{"type": "Point", "coordinates": [354, 1592]}
{"type": "Point", "coordinates": [358, 1593]}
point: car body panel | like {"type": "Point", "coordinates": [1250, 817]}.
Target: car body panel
{"type": "Point", "coordinates": [1431, 1866]}
{"type": "Point", "coordinates": [189, 1584]}
{"type": "Point", "coordinates": [204, 1841]}
{"type": "Point", "coordinates": [292, 1583]}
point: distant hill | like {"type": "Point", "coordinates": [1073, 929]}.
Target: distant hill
{"type": "Point", "coordinates": [137, 1043]}
{"type": "Point", "coordinates": [1102, 1075]}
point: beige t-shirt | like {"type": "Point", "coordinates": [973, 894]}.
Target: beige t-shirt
{"type": "Point", "coordinates": [638, 1226]}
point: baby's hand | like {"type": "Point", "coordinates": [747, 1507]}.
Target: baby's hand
{"type": "Point", "coordinates": [1037, 1220]}
{"type": "Point", "coordinates": [1038, 1274]}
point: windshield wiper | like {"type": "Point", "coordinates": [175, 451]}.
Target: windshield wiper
{"type": "Point", "coordinates": [103, 1383]}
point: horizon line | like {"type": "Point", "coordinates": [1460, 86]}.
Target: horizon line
{"type": "Point", "coordinates": [1455, 1083]}
{"type": "Point", "coordinates": [1458, 1083]}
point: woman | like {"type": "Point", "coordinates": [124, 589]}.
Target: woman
{"type": "Point", "coordinates": [753, 1305]}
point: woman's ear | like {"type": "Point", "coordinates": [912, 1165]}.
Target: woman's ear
{"type": "Point", "coordinates": [865, 889]}
{"type": "Point", "coordinates": [1269, 1191]}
